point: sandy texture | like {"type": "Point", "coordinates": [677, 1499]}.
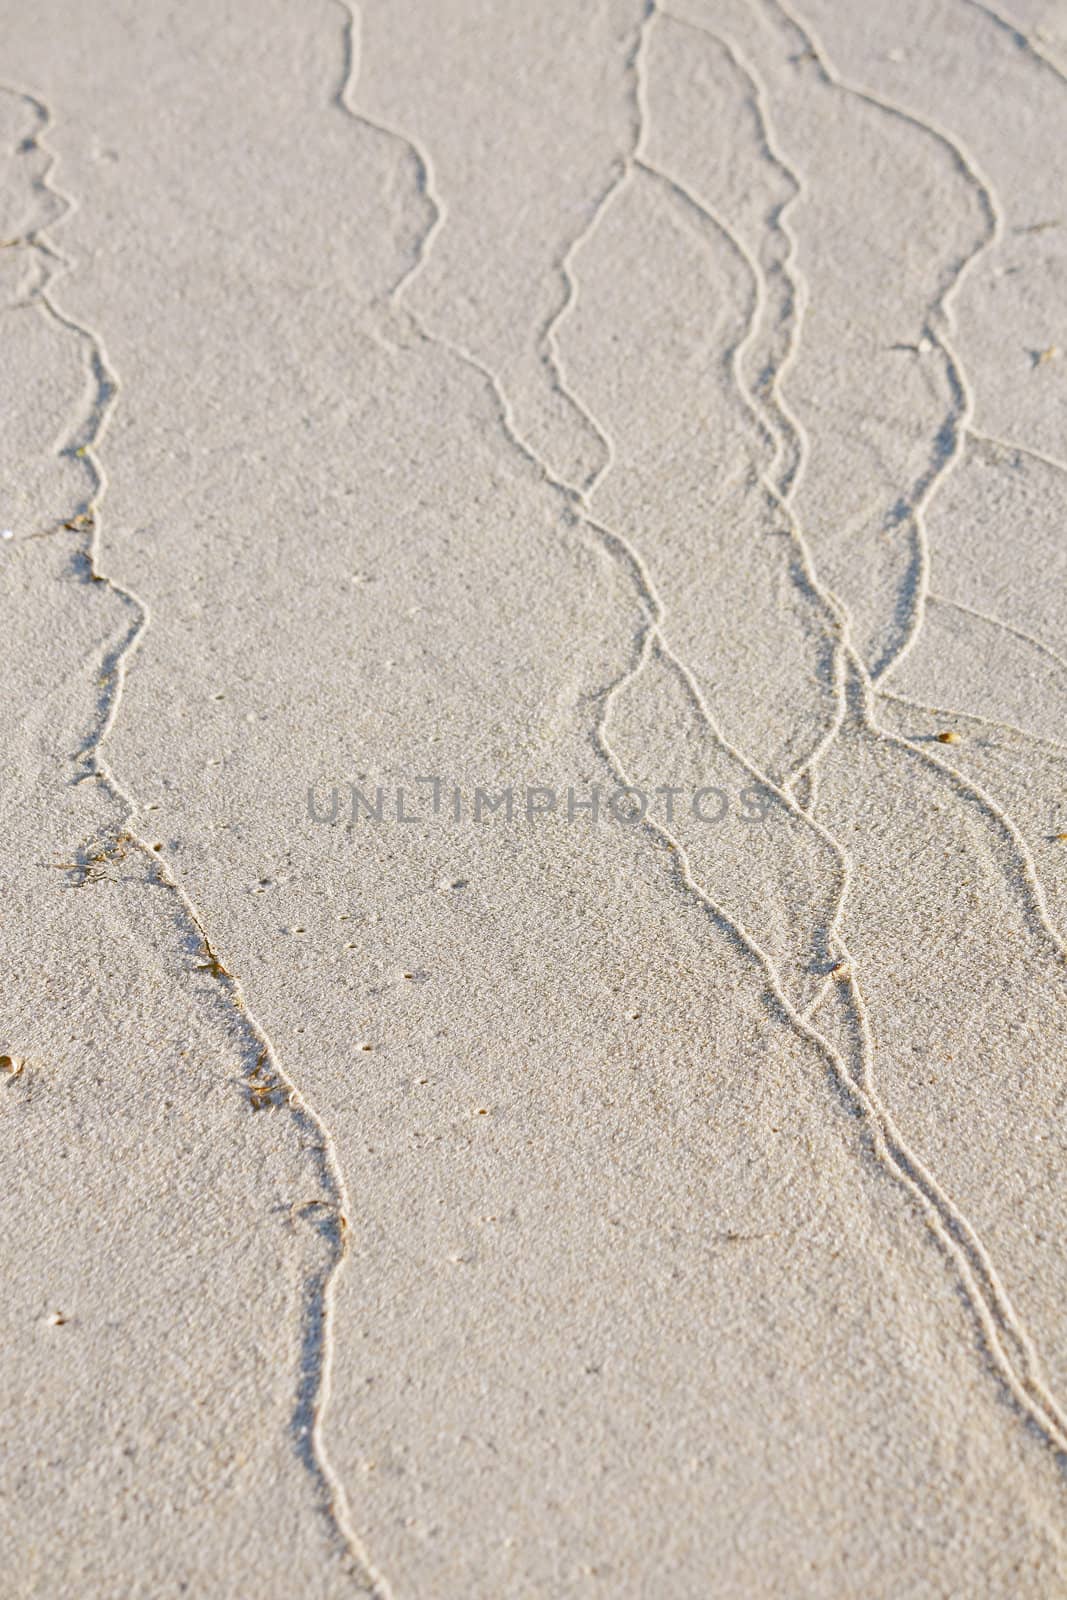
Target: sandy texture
{"type": "Point", "coordinates": [541, 397]}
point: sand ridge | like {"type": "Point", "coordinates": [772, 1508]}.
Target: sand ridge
{"type": "Point", "coordinates": [615, 451]}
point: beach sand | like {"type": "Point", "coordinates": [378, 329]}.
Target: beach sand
{"type": "Point", "coordinates": [407, 407]}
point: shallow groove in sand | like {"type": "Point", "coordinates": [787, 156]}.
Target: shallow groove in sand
{"type": "Point", "coordinates": [84, 440]}
{"type": "Point", "coordinates": [1009, 1346]}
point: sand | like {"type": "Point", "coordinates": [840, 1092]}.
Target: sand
{"type": "Point", "coordinates": [546, 401]}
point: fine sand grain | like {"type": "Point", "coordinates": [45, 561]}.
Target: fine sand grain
{"type": "Point", "coordinates": [422, 404]}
